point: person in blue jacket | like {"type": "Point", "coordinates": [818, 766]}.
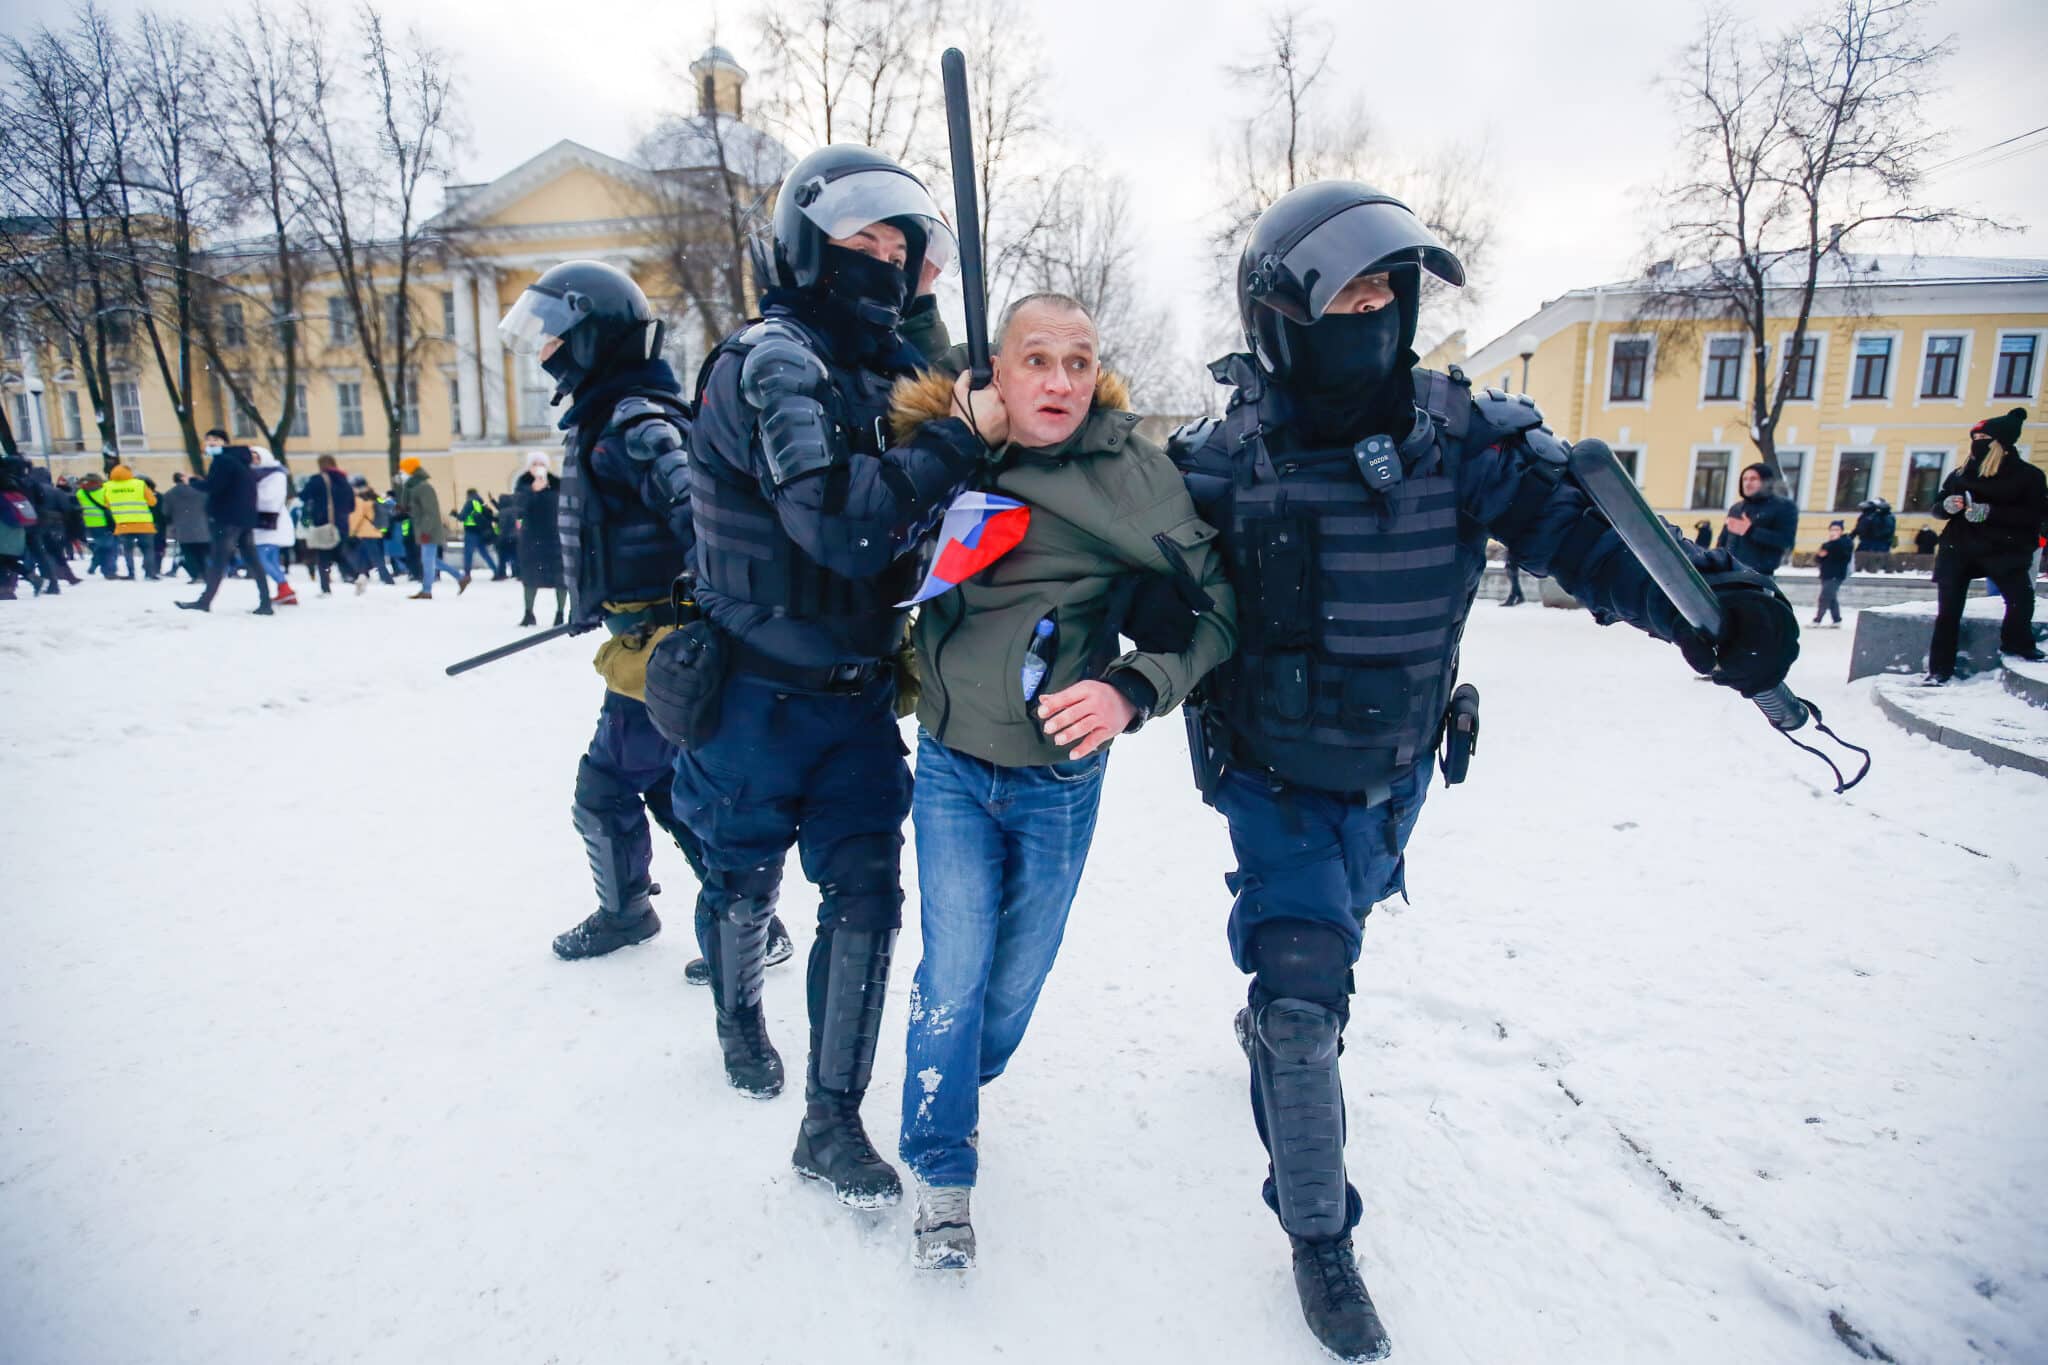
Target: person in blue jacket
{"type": "Point", "coordinates": [1760, 528]}
{"type": "Point", "coordinates": [230, 485]}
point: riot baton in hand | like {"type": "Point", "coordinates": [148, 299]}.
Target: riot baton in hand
{"type": "Point", "coordinates": [491, 656]}
{"type": "Point", "coordinates": [967, 216]}
{"type": "Point", "coordinates": [1655, 545]}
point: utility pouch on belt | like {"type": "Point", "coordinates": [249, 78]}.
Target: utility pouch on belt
{"type": "Point", "coordinates": [1206, 748]}
{"type": "Point", "coordinates": [1461, 733]}
{"type": "Point", "coordinates": [686, 683]}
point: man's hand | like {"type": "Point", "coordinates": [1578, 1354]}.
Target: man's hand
{"type": "Point", "coordinates": [1088, 715]}
{"type": "Point", "coordinates": [1759, 638]}
{"type": "Point", "coordinates": [982, 409]}
{"type": "Point", "coordinates": [1738, 526]}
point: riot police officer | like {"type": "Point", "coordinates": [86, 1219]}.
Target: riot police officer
{"type": "Point", "coordinates": [626, 535]}
{"type": "Point", "coordinates": [1355, 494]}
{"type": "Point", "coordinates": [804, 514]}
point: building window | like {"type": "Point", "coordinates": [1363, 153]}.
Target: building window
{"type": "Point", "coordinates": [535, 388]}
{"type": "Point", "coordinates": [1628, 371]}
{"type": "Point", "coordinates": [454, 408]}
{"type": "Point", "coordinates": [241, 421]}
{"type": "Point", "coordinates": [127, 409]}
{"type": "Point", "coordinates": [1800, 370]}
{"type": "Point", "coordinates": [24, 428]}
{"type": "Point", "coordinates": [1710, 478]}
{"type": "Point", "coordinates": [349, 397]}
{"type": "Point", "coordinates": [395, 320]}
{"type": "Point", "coordinates": [1854, 470]}
{"type": "Point", "coordinates": [2015, 374]}
{"type": "Point", "coordinates": [12, 336]}
{"type": "Point", "coordinates": [447, 314]}
{"type": "Point", "coordinates": [118, 333]}
{"type": "Point", "coordinates": [1724, 369]}
{"type": "Point", "coordinates": [1941, 372]}
{"type": "Point", "coordinates": [1872, 376]}
{"type": "Point", "coordinates": [74, 427]}
{"type": "Point", "coordinates": [1631, 460]}
{"type": "Point", "coordinates": [232, 334]}
{"type": "Point", "coordinates": [1792, 471]}
{"type": "Point", "coordinates": [341, 328]}
{"type": "Point", "coordinates": [411, 414]}
{"type": "Point", "coordinates": [1924, 469]}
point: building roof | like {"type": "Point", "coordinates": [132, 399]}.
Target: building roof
{"type": "Point", "coordinates": [717, 56]}
{"type": "Point", "coordinates": [690, 144]}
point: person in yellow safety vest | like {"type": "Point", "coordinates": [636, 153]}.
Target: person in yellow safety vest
{"type": "Point", "coordinates": [99, 524]}
{"type": "Point", "coordinates": [129, 501]}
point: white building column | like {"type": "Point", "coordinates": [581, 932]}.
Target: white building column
{"type": "Point", "coordinates": [38, 434]}
{"type": "Point", "coordinates": [492, 353]}
{"type": "Point", "coordinates": [468, 402]}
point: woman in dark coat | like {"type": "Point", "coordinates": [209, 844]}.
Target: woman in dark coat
{"type": "Point", "coordinates": [1994, 505]}
{"type": "Point", "coordinates": [538, 498]}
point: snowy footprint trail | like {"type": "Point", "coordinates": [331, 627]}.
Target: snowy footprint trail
{"type": "Point", "coordinates": [287, 1072]}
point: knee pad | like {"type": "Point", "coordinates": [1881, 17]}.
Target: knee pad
{"type": "Point", "coordinates": [862, 888]}
{"type": "Point", "coordinates": [1299, 960]}
{"type": "Point", "coordinates": [597, 789]}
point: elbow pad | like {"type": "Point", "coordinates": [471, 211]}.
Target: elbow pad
{"type": "Point", "coordinates": [785, 382]}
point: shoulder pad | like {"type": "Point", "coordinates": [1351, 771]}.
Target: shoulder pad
{"type": "Point", "coordinates": [1506, 412]}
{"type": "Point", "coordinates": [653, 438]}
{"type": "Point", "coordinates": [1547, 446]}
{"type": "Point", "coordinates": [1192, 436]}
{"type": "Point", "coordinates": [635, 409]}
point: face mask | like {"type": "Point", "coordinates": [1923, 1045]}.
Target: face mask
{"type": "Point", "coordinates": [1345, 354]}
{"type": "Point", "coordinates": [873, 289]}
{"type": "Point", "coordinates": [212, 450]}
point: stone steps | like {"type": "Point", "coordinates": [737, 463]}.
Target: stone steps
{"type": "Point", "coordinates": [2028, 682]}
{"type": "Point", "coordinates": [1993, 719]}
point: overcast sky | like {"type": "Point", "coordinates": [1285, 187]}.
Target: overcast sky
{"type": "Point", "coordinates": [1562, 92]}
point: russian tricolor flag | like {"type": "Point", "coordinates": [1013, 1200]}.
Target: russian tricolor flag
{"type": "Point", "coordinates": [979, 529]}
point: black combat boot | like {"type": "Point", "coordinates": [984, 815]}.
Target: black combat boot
{"type": "Point", "coordinates": [733, 912]}
{"type": "Point", "coordinates": [603, 933]}
{"type": "Point", "coordinates": [1334, 1301]}
{"type": "Point", "coordinates": [778, 951]}
{"type": "Point", "coordinates": [849, 977]}
{"type": "Point", "coordinates": [625, 915]}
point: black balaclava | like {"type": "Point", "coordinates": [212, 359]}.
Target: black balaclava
{"type": "Point", "coordinates": [1350, 376]}
{"type": "Point", "coordinates": [874, 290]}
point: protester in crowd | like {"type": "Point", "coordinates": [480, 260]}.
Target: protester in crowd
{"type": "Point", "coordinates": [274, 531]}
{"type": "Point", "coordinates": [1760, 528]}
{"type": "Point", "coordinates": [1109, 518]}
{"type": "Point", "coordinates": [537, 501]}
{"type": "Point", "coordinates": [98, 523]}
{"type": "Point", "coordinates": [184, 511]}
{"type": "Point", "coordinates": [507, 544]}
{"type": "Point", "coordinates": [423, 508]}
{"type": "Point", "coordinates": [50, 544]}
{"type": "Point", "coordinates": [399, 546]}
{"type": "Point", "coordinates": [1995, 505]}
{"type": "Point", "coordinates": [328, 502]}
{"type": "Point", "coordinates": [129, 501]}
{"type": "Point", "coordinates": [231, 511]}
{"type": "Point", "coordinates": [366, 526]}
{"type": "Point", "coordinates": [1877, 530]}
{"type": "Point", "coordinates": [479, 528]}
{"type": "Point", "coordinates": [1834, 558]}
{"type": "Point", "coordinates": [1703, 534]}
{"type": "Point", "coordinates": [1514, 596]}
{"type": "Point", "coordinates": [1924, 540]}
{"type": "Point", "coordinates": [18, 522]}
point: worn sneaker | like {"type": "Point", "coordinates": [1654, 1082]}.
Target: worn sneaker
{"type": "Point", "coordinates": [1334, 1301]}
{"type": "Point", "coordinates": [942, 1237]}
{"type": "Point", "coordinates": [779, 950]}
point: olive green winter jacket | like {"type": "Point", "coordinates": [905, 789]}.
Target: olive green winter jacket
{"type": "Point", "coordinates": [1097, 503]}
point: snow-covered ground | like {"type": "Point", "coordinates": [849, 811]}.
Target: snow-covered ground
{"type": "Point", "coordinates": [1674, 1057]}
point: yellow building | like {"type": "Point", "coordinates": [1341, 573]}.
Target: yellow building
{"type": "Point", "coordinates": [1903, 354]}
{"type": "Point", "coordinates": [473, 409]}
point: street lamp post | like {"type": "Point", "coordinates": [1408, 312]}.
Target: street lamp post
{"type": "Point", "coordinates": [1527, 344]}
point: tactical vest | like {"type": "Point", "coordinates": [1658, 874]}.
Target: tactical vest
{"type": "Point", "coordinates": [614, 547]}
{"type": "Point", "coordinates": [1351, 600]}
{"type": "Point", "coordinates": [745, 555]}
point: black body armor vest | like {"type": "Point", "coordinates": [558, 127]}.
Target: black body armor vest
{"type": "Point", "coordinates": [1355, 572]}
{"type": "Point", "coordinates": [615, 548]}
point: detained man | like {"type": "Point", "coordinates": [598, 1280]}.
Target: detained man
{"type": "Point", "coordinates": [1024, 687]}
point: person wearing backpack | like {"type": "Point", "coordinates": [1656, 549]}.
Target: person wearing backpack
{"type": "Point", "coordinates": [19, 522]}
{"type": "Point", "coordinates": [98, 523]}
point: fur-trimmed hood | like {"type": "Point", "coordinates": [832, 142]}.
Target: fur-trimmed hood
{"type": "Point", "coordinates": [927, 396]}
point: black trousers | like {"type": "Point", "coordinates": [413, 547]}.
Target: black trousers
{"type": "Point", "coordinates": [227, 540]}
{"type": "Point", "coordinates": [1953, 572]}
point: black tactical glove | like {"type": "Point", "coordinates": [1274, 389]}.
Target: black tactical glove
{"type": "Point", "coordinates": [1759, 635]}
{"type": "Point", "coordinates": [1163, 612]}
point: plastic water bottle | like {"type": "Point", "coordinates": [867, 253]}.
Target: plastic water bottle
{"type": "Point", "coordinates": [1038, 657]}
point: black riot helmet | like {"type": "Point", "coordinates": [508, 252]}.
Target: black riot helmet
{"type": "Point", "coordinates": [598, 314]}
{"type": "Point", "coordinates": [838, 190]}
{"type": "Point", "coordinates": [1315, 240]}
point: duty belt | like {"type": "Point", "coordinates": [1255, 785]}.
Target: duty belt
{"type": "Point", "coordinates": [843, 677]}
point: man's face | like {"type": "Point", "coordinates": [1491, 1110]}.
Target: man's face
{"type": "Point", "coordinates": [1834, 533]}
{"type": "Point", "coordinates": [1365, 294]}
{"type": "Point", "coordinates": [549, 347]}
{"type": "Point", "coordinates": [1046, 371]}
{"type": "Point", "coordinates": [1751, 481]}
{"type": "Point", "coordinates": [883, 241]}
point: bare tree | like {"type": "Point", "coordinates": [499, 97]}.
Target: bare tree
{"type": "Point", "coordinates": [1794, 143]}
{"type": "Point", "coordinates": [366, 201]}
{"type": "Point", "coordinates": [852, 71]}
{"type": "Point", "coordinates": [249, 315]}
{"type": "Point", "coordinates": [57, 248]}
{"type": "Point", "coordinates": [1293, 136]}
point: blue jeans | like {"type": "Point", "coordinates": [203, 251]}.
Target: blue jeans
{"type": "Point", "coordinates": [474, 543]}
{"type": "Point", "coordinates": [273, 561]}
{"type": "Point", "coordinates": [130, 546]}
{"type": "Point", "coordinates": [104, 553]}
{"type": "Point", "coordinates": [999, 857]}
{"type": "Point", "coordinates": [430, 566]}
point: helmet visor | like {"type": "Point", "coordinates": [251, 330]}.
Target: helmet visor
{"type": "Point", "coordinates": [538, 316]}
{"type": "Point", "coordinates": [844, 205]}
{"type": "Point", "coordinates": [1360, 240]}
